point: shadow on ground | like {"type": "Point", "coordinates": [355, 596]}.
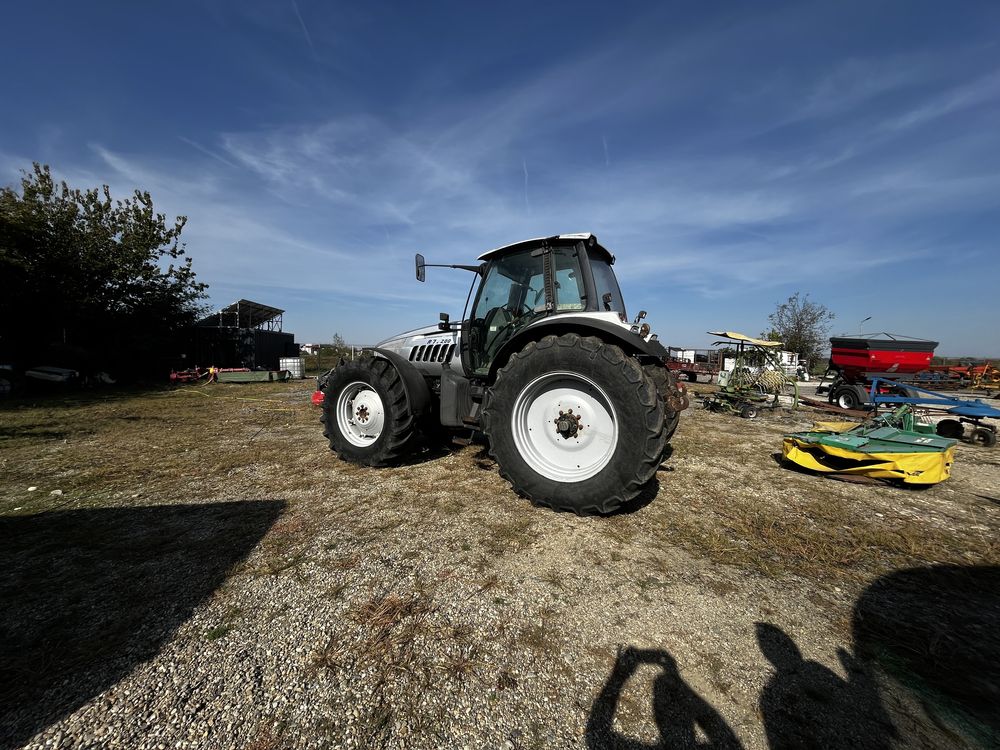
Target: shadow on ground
{"type": "Point", "coordinates": [648, 494]}
{"type": "Point", "coordinates": [806, 704]}
{"type": "Point", "coordinates": [936, 630]}
{"type": "Point", "coordinates": [682, 716]}
{"type": "Point", "coordinates": [86, 595]}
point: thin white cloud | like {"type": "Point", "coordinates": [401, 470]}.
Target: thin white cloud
{"type": "Point", "coordinates": [305, 31]}
{"type": "Point", "coordinates": [208, 152]}
{"type": "Point", "coordinates": [982, 90]}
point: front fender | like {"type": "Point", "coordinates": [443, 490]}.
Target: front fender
{"type": "Point", "coordinates": [418, 395]}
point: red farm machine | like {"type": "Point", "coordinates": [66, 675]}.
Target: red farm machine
{"type": "Point", "coordinates": [890, 370]}
{"type": "Point", "coordinates": [856, 361]}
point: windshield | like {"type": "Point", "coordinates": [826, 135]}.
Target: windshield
{"type": "Point", "coordinates": [512, 293]}
{"type": "Point", "coordinates": [606, 283]}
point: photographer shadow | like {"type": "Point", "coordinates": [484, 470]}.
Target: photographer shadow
{"type": "Point", "coordinates": [681, 715]}
{"type": "Point", "coordinates": [807, 705]}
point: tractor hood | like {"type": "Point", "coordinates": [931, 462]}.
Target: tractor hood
{"type": "Point", "coordinates": [428, 348]}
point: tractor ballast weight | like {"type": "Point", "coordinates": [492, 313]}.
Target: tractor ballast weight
{"type": "Point", "coordinates": [575, 401]}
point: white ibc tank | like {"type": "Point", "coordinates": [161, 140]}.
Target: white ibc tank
{"type": "Point", "coordinates": [295, 365]}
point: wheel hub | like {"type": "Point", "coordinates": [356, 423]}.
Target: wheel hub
{"type": "Point", "coordinates": [360, 414]}
{"type": "Point", "coordinates": [568, 424]}
{"type": "Point", "coordinates": [548, 420]}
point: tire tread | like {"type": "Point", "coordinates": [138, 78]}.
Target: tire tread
{"type": "Point", "coordinates": [400, 421]}
{"type": "Point", "coordinates": [638, 383]}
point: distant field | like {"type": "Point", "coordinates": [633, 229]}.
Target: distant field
{"type": "Point", "coordinates": [209, 574]}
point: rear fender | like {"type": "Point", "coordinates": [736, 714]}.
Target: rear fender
{"type": "Point", "coordinates": [631, 343]}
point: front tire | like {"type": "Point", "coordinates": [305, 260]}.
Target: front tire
{"type": "Point", "coordinates": [366, 416]}
{"type": "Point", "coordinates": [575, 424]}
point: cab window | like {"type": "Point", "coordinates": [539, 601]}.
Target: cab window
{"type": "Point", "coordinates": [606, 283]}
{"type": "Point", "coordinates": [570, 291]}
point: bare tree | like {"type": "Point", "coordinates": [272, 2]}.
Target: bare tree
{"type": "Point", "coordinates": [801, 325]}
{"type": "Point", "coordinates": [339, 347]}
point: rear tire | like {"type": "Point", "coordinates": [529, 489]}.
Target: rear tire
{"type": "Point", "coordinates": [666, 386]}
{"type": "Point", "coordinates": [983, 436]}
{"type": "Point", "coordinates": [748, 411]}
{"type": "Point", "coordinates": [366, 416]}
{"type": "Point", "coordinates": [592, 460]}
{"type": "Point", "coordinates": [950, 428]}
{"type": "Point", "coordinates": [850, 397]}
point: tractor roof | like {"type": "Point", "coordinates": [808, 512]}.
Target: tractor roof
{"type": "Point", "coordinates": [558, 239]}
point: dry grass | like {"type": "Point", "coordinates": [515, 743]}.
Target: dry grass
{"type": "Point", "coordinates": [740, 507]}
{"type": "Point", "coordinates": [126, 448]}
{"type": "Point", "coordinates": [436, 577]}
{"type": "Point", "coordinates": [163, 444]}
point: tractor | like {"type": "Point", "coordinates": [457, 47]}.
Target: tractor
{"type": "Point", "coordinates": [575, 401]}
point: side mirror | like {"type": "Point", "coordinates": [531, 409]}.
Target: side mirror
{"type": "Point", "coordinates": [445, 323]}
{"type": "Point", "coordinates": [421, 273]}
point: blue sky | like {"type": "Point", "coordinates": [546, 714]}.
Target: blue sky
{"type": "Point", "coordinates": [730, 155]}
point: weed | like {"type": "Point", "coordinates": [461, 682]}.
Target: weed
{"type": "Point", "coordinates": [335, 591]}
{"type": "Point", "coordinates": [489, 583]}
{"type": "Point", "coordinates": [506, 681]}
{"type": "Point", "coordinates": [555, 579]}
{"type": "Point", "coordinates": [219, 631]}
{"type": "Point", "coordinates": [536, 637]}
{"type": "Point", "coordinates": [509, 536]}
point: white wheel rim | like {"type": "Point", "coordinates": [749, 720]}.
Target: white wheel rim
{"type": "Point", "coordinates": [360, 414]}
{"type": "Point", "coordinates": [574, 454]}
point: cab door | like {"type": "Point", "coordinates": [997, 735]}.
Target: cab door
{"type": "Point", "coordinates": [511, 291]}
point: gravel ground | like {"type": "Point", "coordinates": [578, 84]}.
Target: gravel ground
{"type": "Point", "coordinates": [213, 577]}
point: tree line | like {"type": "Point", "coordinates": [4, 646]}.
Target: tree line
{"type": "Point", "coordinates": [89, 281]}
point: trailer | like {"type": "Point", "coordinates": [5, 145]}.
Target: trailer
{"type": "Point", "coordinates": [694, 362]}
{"type": "Point", "coordinates": [856, 362]}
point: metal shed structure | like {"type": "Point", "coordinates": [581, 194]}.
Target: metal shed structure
{"type": "Point", "coordinates": [245, 313]}
{"type": "Point", "coordinates": [242, 334]}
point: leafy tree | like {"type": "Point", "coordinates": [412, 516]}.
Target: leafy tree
{"type": "Point", "coordinates": [91, 273]}
{"type": "Point", "coordinates": [801, 325]}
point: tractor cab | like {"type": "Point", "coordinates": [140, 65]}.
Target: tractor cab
{"type": "Point", "coordinates": [523, 282]}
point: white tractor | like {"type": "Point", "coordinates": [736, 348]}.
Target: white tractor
{"type": "Point", "coordinates": [574, 399]}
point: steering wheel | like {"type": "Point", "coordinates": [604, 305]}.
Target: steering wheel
{"type": "Point", "coordinates": [497, 319]}
{"type": "Point", "coordinates": [539, 296]}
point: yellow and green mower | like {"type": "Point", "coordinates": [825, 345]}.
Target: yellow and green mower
{"type": "Point", "coordinates": [893, 447]}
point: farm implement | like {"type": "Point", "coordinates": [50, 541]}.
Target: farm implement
{"type": "Point", "coordinates": [755, 381]}
{"type": "Point", "coordinates": [856, 361]}
{"type": "Point", "coordinates": [228, 375]}
{"type": "Point", "coordinates": [960, 412]}
{"type": "Point", "coordinates": [892, 446]}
